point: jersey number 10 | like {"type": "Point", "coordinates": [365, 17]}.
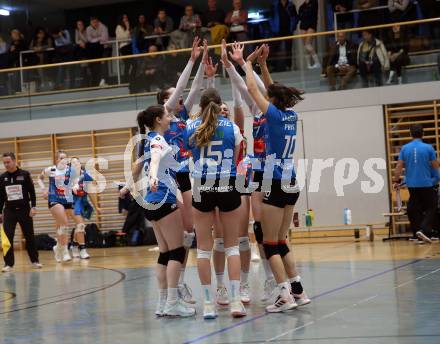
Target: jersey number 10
{"type": "Point", "coordinates": [289, 148]}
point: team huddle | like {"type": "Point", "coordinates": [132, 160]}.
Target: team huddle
{"type": "Point", "coordinates": [203, 181]}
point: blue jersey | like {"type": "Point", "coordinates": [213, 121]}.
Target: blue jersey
{"type": "Point", "coordinates": [258, 133]}
{"type": "Point", "coordinates": [417, 156]}
{"type": "Point", "coordinates": [216, 160]}
{"type": "Point", "coordinates": [85, 177]}
{"type": "Point", "coordinates": [174, 137]}
{"type": "Point", "coordinates": [280, 140]}
{"type": "Point", "coordinates": [167, 188]}
{"type": "Point", "coordinates": [59, 188]}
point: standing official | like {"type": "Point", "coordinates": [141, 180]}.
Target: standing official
{"type": "Point", "coordinates": [17, 203]}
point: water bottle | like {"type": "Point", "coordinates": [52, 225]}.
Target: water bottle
{"type": "Point", "coordinates": [312, 215]}
{"type": "Point", "coordinates": [347, 216]}
{"type": "Point", "coordinates": [308, 219]}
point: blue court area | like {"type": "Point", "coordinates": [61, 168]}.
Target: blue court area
{"type": "Point", "coordinates": [354, 301]}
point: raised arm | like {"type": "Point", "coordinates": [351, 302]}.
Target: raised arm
{"type": "Point", "coordinates": [262, 61]}
{"type": "Point", "coordinates": [210, 71]}
{"type": "Point", "coordinates": [172, 102]}
{"type": "Point", "coordinates": [253, 90]}
{"type": "Point", "coordinates": [198, 80]}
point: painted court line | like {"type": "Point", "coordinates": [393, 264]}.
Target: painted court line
{"type": "Point", "coordinates": [241, 323]}
{"type": "Point", "coordinates": [293, 330]}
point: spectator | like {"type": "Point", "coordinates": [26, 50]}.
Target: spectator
{"type": "Point", "coordinates": [283, 21]}
{"type": "Point", "coordinates": [214, 20]}
{"type": "Point", "coordinates": [342, 61]}
{"type": "Point", "coordinates": [142, 30]}
{"type": "Point", "coordinates": [341, 7]}
{"type": "Point", "coordinates": [63, 53]}
{"type": "Point", "coordinates": [17, 45]}
{"type": "Point", "coordinates": [397, 46]}
{"type": "Point", "coordinates": [190, 24]}
{"type": "Point", "coordinates": [39, 44]}
{"type": "Point", "coordinates": [163, 25]}
{"type": "Point", "coordinates": [237, 22]}
{"type": "Point", "coordinates": [123, 36]}
{"type": "Point", "coordinates": [372, 58]}
{"type": "Point", "coordinates": [97, 36]}
{"type": "Point", "coordinates": [401, 10]}
{"type": "Point", "coordinates": [308, 16]}
{"type": "Point", "coordinates": [81, 53]}
{"type": "Point", "coordinates": [150, 76]}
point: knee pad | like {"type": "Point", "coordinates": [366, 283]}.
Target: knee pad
{"type": "Point", "coordinates": [283, 249]}
{"type": "Point", "coordinates": [163, 259]}
{"type": "Point", "coordinates": [61, 230]}
{"type": "Point", "coordinates": [270, 250]}
{"type": "Point", "coordinates": [244, 244]}
{"type": "Point", "coordinates": [203, 254]}
{"type": "Point", "coordinates": [188, 238]}
{"type": "Point", "coordinates": [178, 254]}
{"type": "Point", "coordinates": [219, 245]}
{"type": "Point", "coordinates": [80, 228]}
{"type": "Point", "coordinates": [232, 251]}
{"type": "Point", "coordinates": [258, 231]}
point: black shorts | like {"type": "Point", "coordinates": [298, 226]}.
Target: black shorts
{"type": "Point", "coordinates": [278, 197]}
{"type": "Point", "coordinates": [183, 181]}
{"type": "Point", "coordinates": [258, 178]}
{"type": "Point", "coordinates": [158, 214]}
{"type": "Point", "coordinates": [65, 205]}
{"type": "Point", "coordinates": [225, 199]}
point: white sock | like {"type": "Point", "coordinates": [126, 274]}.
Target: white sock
{"type": "Point", "coordinates": [163, 294]}
{"type": "Point", "coordinates": [267, 269]}
{"type": "Point", "coordinates": [207, 292]}
{"type": "Point", "coordinates": [182, 277]}
{"type": "Point", "coordinates": [297, 278]}
{"type": "Point", "coordinates": [172, 296]}
{"type": "Point", "coordinates": [220, 281]}
{"type": "Point", "coordinates": [244, 276]}
{"type": "Point", "coordinates": [284, 289]}
{"type": "Point", "coordinates": [235, 288]}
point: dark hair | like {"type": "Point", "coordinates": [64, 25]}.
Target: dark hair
{"type": "Point", "coordinates": [121, 22]}
{"type": "Point", "coordinates": [59, 152]}
{"type": "Point", "coordinates": [162, 95]}
{"type": "Point", "coordinates": [147, 117]}
{"type": "Point", "coordinates": [93, 18]}
{"type": "Point", "coordinates": [210, 103]}
{"type": "Point", "coordinates": [284, 97]}
{"type": "Point", "coordinates": [162, 10]}
{"type": "Point", "coordinates": [37, 30]}
{"type": "Point", "coordinates": [10, 155]}
{"type": "Point", "coordinates": [416, 131]}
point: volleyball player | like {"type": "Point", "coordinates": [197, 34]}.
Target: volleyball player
{"type": "Point", "coordinates": [281, 197]}
{"type": "Point", "coordinates": [59, 196]}
{"type": "Point", "coordinates": [171, 98]}
{"type": "Point", "coordinates": [214, 142]}
{"type": "Point", "coordinates": [162, 210]}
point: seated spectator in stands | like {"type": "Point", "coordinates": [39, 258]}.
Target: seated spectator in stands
{"type": "Point", "coordinates": [237, 22]}
{"type": "Point", "coordinates": [40, 44]}
{"type": "Point", "coordinates": [308, 17]}
{"type": "Point", "coordinates": [142, 30]}
{"type": "Point", "coordinates": [367, 16]}
{"type": "Point", "coordinates": [214, 20]}
{"type": "Point", "coordinates": [401, 10]}
{"type": "Point", "coordinates": [397, 46]}
{"type": "Point", "coordinates": [431, 9]}
{"type": "Point", "coordinates": [149, 74]}
{"type": "Point", "coordinates": [372, 58]}
{"type": "Point", "coordinates": [123, 36]}
{"type": "Point", "coordinates": [163, 25]}
{"type": "Point", "coordinates": [17, 45]}
{"type": "Point", "coordinates": [342, 61]}
{"type": "Point", "coordinates": [190, 25]}
{"type": "Point", "coordinates": [63, 53]}
{"type": "Point", "coordinates": [344, 20]}
{"type": "Point", "coordinates": [97, 36]}
{"type": "Point", "coordinates": [283, 21]}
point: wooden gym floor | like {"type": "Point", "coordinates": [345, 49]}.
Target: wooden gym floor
{"type": "Point", "coordinates": [364, 292]}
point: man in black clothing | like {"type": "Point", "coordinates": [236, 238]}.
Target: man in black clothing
{"type": "Point", "coordinates": [16, 192]}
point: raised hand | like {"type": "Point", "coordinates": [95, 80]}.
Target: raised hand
{"type": "Point", "coordinates": [211, 69]}
{"type": "Point", "coordinates": [264, 55]}
{"type": "Point", "coordinates": [257, 52]}
{"type": "Point", "coordinates": [196, 51]}
{"type": "Point", "coordinates": [224, 55]}
{"type": "Point", "coordinates": [205, 57]}
{"type": "Point", "coordinates": [237, 53]}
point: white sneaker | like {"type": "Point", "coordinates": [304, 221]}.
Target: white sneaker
{"type": "Point", "coordinates": [185, 293]}
{"type": "Point", "coordinates": [301, 299]}
{"type": "Point", "coordinates": [75, 251]}
{"type": "Point", "coordinates": [209, 311]}
{"type": "Point", "coordinates": [282, 305]}
{"type": "Point", "coordinates": [37, 265]}
{"type": "Point", "coordinates": [66, 256]}
{"type": "Point", "coordinates": [179, 309]}
{"type": "Point", "coordinates": [269, 287]}
{"type": "Point", "coordinates": [102, 83]}
{"type": "Point", "coordinates": [245, 293]}
{"type": "Point", "coordinates": [83, 254]}
{"type": "Point", "coordinates": [237, 309]}
{"type": "Point", "coordinates": [315, 66]}
{"type": "Point", "coordinates": [255, 257]}
{"type": "Point", "coordinates": [58, 254]}
{"type": "Point", "coordinates": [423, 237]}
{"type": "Point", "coordinates": [222, 297]}
{"type": "Point", "coordinates": [160, 308]}
{"type": "Point", "coordinates": [7, 268]}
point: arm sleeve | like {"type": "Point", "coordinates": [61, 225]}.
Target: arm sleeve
{"type": "Point", "coordinates": [240, 84]}
{"type": "Point", "coordinates": [236, 97]}
{"type": "Point", "coordinates": [31, 190]}
{"type": "Point", "coordinates": [237, 135]}
{"type": "Point", "coordinates": [260, 82]}
{"type": "Point", "coordinates": [195, 88]}
{"type": "Point", "coordinates": [210, 83]}
{"type": "Point", "coordinates": [181, 84]}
